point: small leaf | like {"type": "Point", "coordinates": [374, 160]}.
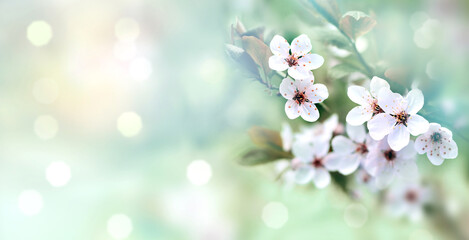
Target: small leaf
{"type": "Point", "coordinates": [265, 138]}
{"type": "Point", "coordinates": [243, 59]}
{"type": "Point", "coordinates": [256, 32]}
{"type": "Point", "coordinates": [332, 37]}
{"type": "Point", "coordinates": [328, 9]}
{"type": "Point", "coordinates": [356, 24]}
{"type": "Point", "coordinates": [261, 156]}
{"type": "Point", "coordinates": [258, 51]}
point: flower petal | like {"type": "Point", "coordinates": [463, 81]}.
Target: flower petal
{"type": "Point", "coordinates": [304, 174]}
{"type": "Point", "coordinates": [376, 85]}
{"type": "Point", "coordinates": [343, 145]}
{"type": "Point", "coordinates": [390, 102]}
{"type": "Point", "coordinates": [356, 133]}
{"type": "Point", "coordinates": [380, 126]}
{"type": "Point", "coordinates": [407, 169]}
{"type": "Point", "coordinates": [332, 161]}
{"type": "Point", "coordinates": [301, 45]}
{"type": "Point", "coordinates": [417, 124]}
{"type": "Point", "coordinates": [311, 61]}
{"type": "Point", "coordinates": [359, 95]}
{"type": "Point", "coordinates": [309, 112]}
{"type": "Point", "coordinates": [385, 177]}
{"type": "Point", "coordinates": [279, 46]}
{"type": "Point", "coordinates": [321, 178]}
{"type": "Point", "coordinates": [317, 93]}
{"type": "Point", "coordinates": [303, 151]}
{"type": "Point", "coordinates": [398, 137]}
{"type": "Point", "coordinates": [436, 160]}
{"type": "Point", "coordinates": [278, 63]}
{"type": "Point", "coordinates": [349, 164]}
{"type": "Point", "coordinates": [408, 152]}
{"type": "Point", "coordinates": [292, 109]}
{"type": "Point", "coordinates": [299, 72]}
{"type": "Point", "coordinates": [422, 144]}
{"type": "Point", "coordinates": [359, 115]}
{"type": "Point", "coordinates": [449, 149]}
{"type": "Point", "coordinates": [287, 88]}
{"type": "Point", "coordinates": [414, 101]}
{"type": "Point", "coordinates": [287, 137]}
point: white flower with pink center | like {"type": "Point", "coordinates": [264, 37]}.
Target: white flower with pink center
{"type": "Point", "coordinates": [399, 119]}
{"type": "Point", "coordinates": [301, 97]}
{"type": "Point", "coordinates": [296, 58]}
{"type": "Point", "coordinates": [438, 143]}
{"type": "Point", "coordinates": [367, 100]}
{"type": "Point", "coordinates": [385, 164]}
{"type": "Point", "coordinates": [407, 199]}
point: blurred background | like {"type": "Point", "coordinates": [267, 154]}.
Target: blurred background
{"type": "Point", "coordinates": [123, 119]}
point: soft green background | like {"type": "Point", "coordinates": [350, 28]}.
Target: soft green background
{"type": "Point", "coordinates": [196, 105]}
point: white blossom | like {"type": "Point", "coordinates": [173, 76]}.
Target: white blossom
{"type": "Point", "coordinates": [438, 143]}
{"type": "Point", "coordinates": [407, 200]}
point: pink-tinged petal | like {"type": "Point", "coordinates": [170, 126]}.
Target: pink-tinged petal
{"type": "Point", "coordinates": [422, 144]}
{"type": "Point", "coordinates": [311, 61]}
{"type": "Point", "coordinates": [359, 115]}
{"type": "Point", "coordinates": [343, 145]}
{"type": "Point", "coordinates": [407, 169]}
{"type": "Point", "coordinates": [321, 178]}
{"type": "Point", "coordinates": [435, 159]}
{"type": "Point", "coordinates": [390, 102]}
{"type": "Point", "coordinates": [381, 125]}
{"type": "Point", "coordinates": [359, 95]}
{"type": "Point", "coordinates": [317, 93]}
{"type": "Point", "coordinates": [350, 164]}
{"type": "Point", "coordinates": [399, 137]}
{"type": "Point", "coordinates": [304, 174]}
{"type": "Point", "coordinates": [292, 109]}
{"type": "Point", "coordinates": [356, 133]}
{"type": "Point", "coordinates": [299, 72]}
{"type": "Point", "coordinates": [278, 63]}
{"type": "Point", "coordinates": [376, 85]}
{"type": "Point", "coordinates": [417, 124]}
{"type": "Point", "coordinates": [304, 85]}
{"type": "Point", "coordinates": [414, 101]}
{"type": "Point", "coordinates": [448, 148]}
{"type": "Point", "coordinates": [301, 45]}
{"type": "Point", "coordinates": [287, 88]}
{"type": "Point", "coordinates": [332, 161]}
{"type": "Point", "coordinates": [373, 163]}
{"type": "Point", "coordinates": [279, 46]}
{"type": "Point", "coordinates": [385, 177]}
{"type": "Point", "coordinates": [309, 112]}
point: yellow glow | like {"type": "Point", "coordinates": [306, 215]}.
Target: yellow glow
{"type": "Point", "coordinates": [39, 33]}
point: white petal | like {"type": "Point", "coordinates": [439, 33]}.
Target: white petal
{"type": "Point", "coordinates": [359, 95]}
{"type": "Point", "coordinates": [287, 88]}
{"type": "Point", "coordinates": [385, 177]}
{"type": "Point", "coordinates": [301, 45]}
{"type": "Point", "coordinates": [311, 61]}
{"type": "Point", "coordinates": [408, 152]}
{"type": "Point", "coordinates": [321, 178]}
{"type": "Point", "coordinates": [390, 102]}
{"type": "Point", "coordinates": [349, 164]}
{"type": "Point", "coordinates": [449, 149]}
{"type": "Point", "coordinates": [303, 151]}
{"type": "Point", "coordinates": [318, 92]}
{"type": "Point", "coordinates": [321, 147]}
{"type": "Point", "coordinates": [417, 124]}
{"type": "Point", "coordinates": [304, 85]}
{"type": "Point", "coordinates": [332, 161]}
{"type": "Point", "coordinates": [277, 63]}
{"type": "Point", "coordinates": [292, 109]}
{"type": "Point", "coordinates": [422, 144]}
{"type": "Point", "coordinates": [304, 174]}
{"type": "Point", "coordinates": [380, 126]}
{"type": "Point", "coordinates": [435, 159]}
{"type": "Point", "coordinates": [359, 115]}
{"type": "Point", "coordinates": [343, 145]}
{"type": "Point", "coordinates": [447, 131]}
{"type": "Point", "coordinates": [279, 46]}
{"type": "Point", "coordinates": [299, 72]}
{"type": "Point", "coordinates": [414, 101]}
{"type": "Point", "coordinates": [287, 137]}
{"type": "Point", "coordinates": [376, 85]}
{"type": "Point", "coordinates": [398, 137]}
{"type": "Point", "coordinates": [356, 133]}
{"type": "Point", "coordinates": [309, 112]}
{"type": "Point", "coordinates": [407, 169]}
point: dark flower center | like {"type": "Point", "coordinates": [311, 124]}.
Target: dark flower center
{"type": "Point", "coordinates": [390, 155]}
{"type": "Point", "coordinates": [300, 97]}
{"type": "Point", "coordinates": [376, 108]}
{"type": "Point", "coordinates": [361, 148]}
{"type": "Point", "coordinates": [411, 196]}
{"type": "Point", "coordinates": [292, 61]}
{"type": "Point", "coordinates": [317, 163]}
{"type": "Point", "coordinates": [436, 137]}
{"type": "Point", "coordinates": [401, 118]}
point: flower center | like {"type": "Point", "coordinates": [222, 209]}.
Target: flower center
{"type": "Point", "coordinates": [361, 148]}
{"type": "Point", "coordinates": [390, 155]}
{"type": "Point", "coordinates": [317, 163]}
{"type": "Point", "coordinates": [436, 137]}
{"type": "Point", "coordinates": [300, 97]}
{"type": "Point", "coordinates": [401, 118]}
{"type": "Point", "coordinates": [292, 61]}
{"type": "Point", "coordinates": [411, 196]}
{"type": "Point", "coordinates": [376, 108]}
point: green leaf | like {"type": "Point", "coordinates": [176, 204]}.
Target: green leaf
{"type": "Point", "coordinates": [258, 51]}
{"type": "Point", "coordinates": [243, 59]}
{"type": "Point", "coordinates": [265, 138]}
{"type": "Point", "coordinates": [356, 24]}
{"type": "Point", "coordinates": [332, 37]}
{"type": "Point", "coordinates": [261, 156]}
{"type": "Point", "coordinates": [328, 9]}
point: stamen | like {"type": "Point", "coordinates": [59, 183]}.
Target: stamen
{"type": "Point", "coordinates": [317, 163]}
{"type": "Point", "coordinates": [361, 148]}
{"type": "Point", "coordinates": [376, 108]}
{"type": "Point", "coordinates": [292, 61]}
{"type": "Point", "coordinates": [436, 137]}
{"type": "Point", "coordinates": [401, 118]}
{"type": "Point", "coordinates": [300, 97]}
{"type": "Point", "coordinates": [411, 196]}
{"type": "Point", "coordinates": [390, 155]}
